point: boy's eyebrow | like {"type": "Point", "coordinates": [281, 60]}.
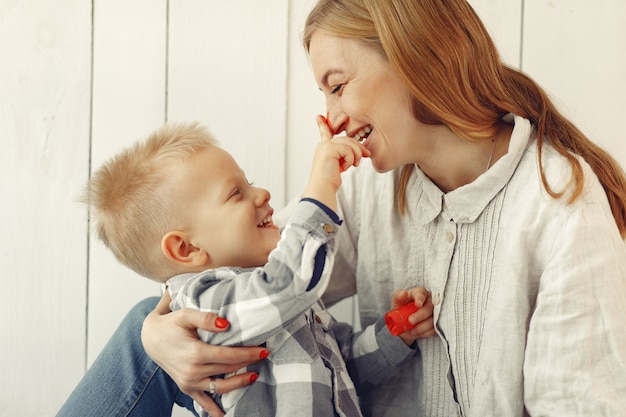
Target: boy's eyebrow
{"type": "Point", "coordinates": [231, 180]}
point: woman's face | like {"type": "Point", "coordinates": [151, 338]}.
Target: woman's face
{"type": "Point", "coordinates": [364, 92]}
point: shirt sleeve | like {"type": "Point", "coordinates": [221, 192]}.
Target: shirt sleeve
{"type": "Point", "coordinates": [575, 360]}
{"type": "Point", "coordinates": [372, 355]}
{"type": "Point", "coordinates": [342, 282]}
{"type": "Point", "coordinates": [258, 302]}
{"type": "Point", "coordinates": [343, 278]}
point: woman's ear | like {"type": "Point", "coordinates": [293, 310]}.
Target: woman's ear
{"type": "Point", "coordinates": [177, 248]}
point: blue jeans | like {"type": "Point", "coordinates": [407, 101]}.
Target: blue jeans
{"type": "Point", "coordinates": [124, 381]}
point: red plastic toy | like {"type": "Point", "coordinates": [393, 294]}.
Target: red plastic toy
{"type": "Point", "coordinates": [398, 319]}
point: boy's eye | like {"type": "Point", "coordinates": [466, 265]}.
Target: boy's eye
{"type": "Point", "coordinates": [336, 88]}
{"type": "Point", "coordinates": [234, 192]}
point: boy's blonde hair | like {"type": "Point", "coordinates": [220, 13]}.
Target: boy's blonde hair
{"type": "Point", "coordinates": [130, 199]}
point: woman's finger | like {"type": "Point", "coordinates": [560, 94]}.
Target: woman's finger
{"type": "Point", "coordinates": [224, 385]}
{"type": "Point", "coordinates": [207, 372]}
{"type": "Point", "coordinates": [220, 386]}
{"type": "Point", "coordinates": [225, 359]}
{"type": "Point", "coordinates": [194, 319]}
{"type": "Point", "coordinates": [163, 307]}
{"type": "Point", "coordinates": [207, 403]}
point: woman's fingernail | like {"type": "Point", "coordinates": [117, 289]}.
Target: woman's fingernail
{"type": "Point", "coordinates": [221, 323]}
{"type": "Point", "coordinates": [253, 377]}
{"type": "Point", "coordinates": [264, 354]}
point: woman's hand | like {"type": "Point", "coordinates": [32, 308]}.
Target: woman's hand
{"type": "Point", "coordinates": [171, 340]}
{"type": "Point", "coordinates": [423, 318]}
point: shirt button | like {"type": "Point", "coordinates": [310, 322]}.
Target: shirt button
{"type": "Point", "coordinates": [436, 298]}
{"type": "Point", "coordinates": [449, 237]}
{"type": "Point", "coordinates": [328, 228]}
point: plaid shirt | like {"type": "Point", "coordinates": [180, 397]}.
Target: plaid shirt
{"type": "Point", "coordinates": [278, 306]}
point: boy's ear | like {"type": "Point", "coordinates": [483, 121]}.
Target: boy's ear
{"type": "Point", "coordinates": [177, 248]}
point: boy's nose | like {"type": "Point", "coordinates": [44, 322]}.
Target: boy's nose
{"type": "Point", "coordinates": [262, 196]}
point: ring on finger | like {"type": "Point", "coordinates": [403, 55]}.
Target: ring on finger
{"type": "Point", "coordinates": [212, 387]}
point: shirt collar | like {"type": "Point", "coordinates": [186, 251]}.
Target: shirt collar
{"type": "Point", "coordinates": [175, 284]}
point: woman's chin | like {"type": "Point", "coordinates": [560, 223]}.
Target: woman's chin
{"type": "Point", "coordinates": [381, 166]}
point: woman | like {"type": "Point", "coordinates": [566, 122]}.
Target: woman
{"type": "Point", "coordinates": [478, 190]}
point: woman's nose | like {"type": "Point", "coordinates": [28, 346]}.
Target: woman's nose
{"type": "Point", "coordinates": [337, 120]}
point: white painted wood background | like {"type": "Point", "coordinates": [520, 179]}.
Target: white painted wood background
{"type": "Point", "coordinates": [80, 79]}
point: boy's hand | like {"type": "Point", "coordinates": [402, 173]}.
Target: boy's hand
{"type": "Point", "coordinates": [423, 317]}
{"type": "Point", "coordinates": [332, 157]}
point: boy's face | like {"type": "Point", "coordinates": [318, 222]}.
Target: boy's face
{"type": "Point", "coordinates": [225, 215]}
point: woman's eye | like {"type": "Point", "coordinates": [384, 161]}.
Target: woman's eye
{"type": "Point", "coordinates": [336, 88]}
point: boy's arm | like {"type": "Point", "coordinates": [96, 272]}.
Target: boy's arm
{"type": "Point", "coordinates": [374, 355]}
{"type": "Point", "coordinates": [258, 302]}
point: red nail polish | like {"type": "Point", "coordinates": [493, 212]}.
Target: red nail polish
{"type": "Point", "coordinates": [253, 377]}
{"type": "Point", "coordinates": [221, 323]}
{"type": "Point", "coordinates": [264, 354]}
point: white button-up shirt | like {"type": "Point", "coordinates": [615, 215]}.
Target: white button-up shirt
{"type": "Point", "coordinates": [530, 292]}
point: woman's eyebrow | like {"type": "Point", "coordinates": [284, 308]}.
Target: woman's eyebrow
{"type": "Point", "coordinates": [327, 74]}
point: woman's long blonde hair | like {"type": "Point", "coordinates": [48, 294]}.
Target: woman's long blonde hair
{"type": "Point", "coordinates": [450, 64]}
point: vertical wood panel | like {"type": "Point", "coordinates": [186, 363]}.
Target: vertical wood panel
{"type": "Point", "coordinates": [228, 69]}
{"type": "Point", "coordinates": [575, 49]}
{"type": "Point", "coordinates": [305, 101]}
{"type": "Point", "coordinates": [44, 136]}
{"type": "Point", "coordinates": [128, 103]}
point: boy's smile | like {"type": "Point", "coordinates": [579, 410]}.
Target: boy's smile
{"type": "Point", "coordinates": [223, 214]}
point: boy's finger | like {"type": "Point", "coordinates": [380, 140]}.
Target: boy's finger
{"type": "Point", "coordinates": [420, 296]}
{"type": "Point", "coordinates": [424, 329]}
{"type": "Point", "coordinates": [330, 126]}
{"type": "Point", "coordinates": [322, 125]}
{"type": "Point", "coordinates": [399, 298]}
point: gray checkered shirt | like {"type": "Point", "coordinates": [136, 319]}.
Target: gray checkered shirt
{"type": "Point", "coordinates": [278, 306]}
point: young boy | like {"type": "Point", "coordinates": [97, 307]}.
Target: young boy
{"type": "Point", "coordinates": [178, 209]}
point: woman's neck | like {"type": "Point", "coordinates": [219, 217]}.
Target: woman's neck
{"type": "Point", "coordinates": [455, 162]}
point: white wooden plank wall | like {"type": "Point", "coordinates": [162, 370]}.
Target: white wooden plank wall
{"type": "Point", "coordinates": [128, 101]}
{"type": "Point", "coordinates": [44, 157]}
{"type": "Point", "coordinates": [79, 80]}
